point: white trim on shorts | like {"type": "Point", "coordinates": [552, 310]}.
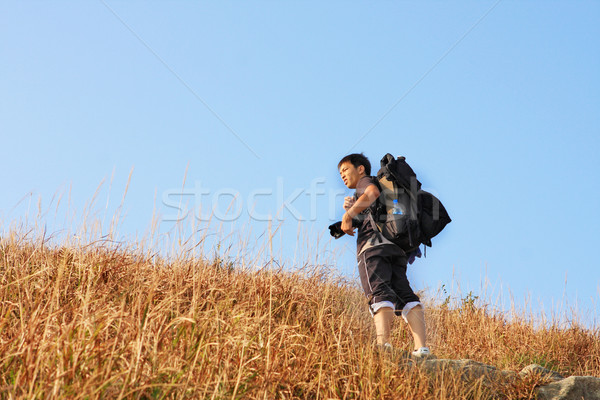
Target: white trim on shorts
{"type": "Point", "coordinates": [379, 305]}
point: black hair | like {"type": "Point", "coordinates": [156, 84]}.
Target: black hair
{"type": "Point", "coordinates": [357, 160]}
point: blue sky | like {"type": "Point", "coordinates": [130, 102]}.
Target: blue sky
{"type": "Point", "coordinates": [494, 103]}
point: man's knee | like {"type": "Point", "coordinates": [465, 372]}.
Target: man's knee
{"type": "Point", "coordinates": [413, 305]}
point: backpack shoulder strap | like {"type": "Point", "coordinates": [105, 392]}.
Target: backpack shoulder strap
{"type": "Point", "coordinates": [375, 227]}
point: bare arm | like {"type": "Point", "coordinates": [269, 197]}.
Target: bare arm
{"type": "Point", "coordinates": [364, 201]}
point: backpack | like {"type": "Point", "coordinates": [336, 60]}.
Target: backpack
{"type": "Point", "coordinates": [406, 215]}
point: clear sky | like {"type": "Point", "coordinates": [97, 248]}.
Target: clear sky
{"type": "Point", "coordinates": [495, 104]}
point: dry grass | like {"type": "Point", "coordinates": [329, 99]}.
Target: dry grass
{"type": "Point", "coordinates": [102, 321]}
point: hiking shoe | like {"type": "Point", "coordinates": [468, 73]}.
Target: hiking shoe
{"type": "Point", "coordinates": [384, 348]}
{"type": "Point", "coordinates": [422, 353]}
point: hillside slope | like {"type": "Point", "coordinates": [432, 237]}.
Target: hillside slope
{"type": "Point", "coordinates": [101, 321]}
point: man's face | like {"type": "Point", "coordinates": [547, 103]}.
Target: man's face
{"type": "Point", "coordinates": [350, 174]}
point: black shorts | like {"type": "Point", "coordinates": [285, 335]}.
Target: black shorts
{"type": "Point", "coordinates": [382, 271]}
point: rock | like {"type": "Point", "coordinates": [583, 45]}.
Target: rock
{"type": "Point", "coordinates": [575, 387]}
{"type": "Point", "coordinates": [470, 370]}
{"type": "Point", "coordinates": [544, 372]}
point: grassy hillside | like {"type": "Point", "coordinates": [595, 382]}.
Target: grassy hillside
{"type": "Point", "coordinates": [100, 321]}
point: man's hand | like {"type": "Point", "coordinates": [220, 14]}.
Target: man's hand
{"type": "Point", "coordinates": [347, 224]}
{"type": "Point", "coordinates": [349, 202]}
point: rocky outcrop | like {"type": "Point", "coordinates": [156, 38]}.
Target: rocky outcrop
{"type": "Point", "coordinates": [469, 369]}
{"type": "Point", "coordinates": [559, 388]}
{"type": "Point", "coordinates": [545, 373]}
{"type": "Point", "coordinates": [574, 387]}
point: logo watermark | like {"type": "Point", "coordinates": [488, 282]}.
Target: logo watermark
{"type": "Point", "coordinates": [261, 204]}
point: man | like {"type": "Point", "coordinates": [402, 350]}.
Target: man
{"type": "Point", "coordinates": [381, 264]}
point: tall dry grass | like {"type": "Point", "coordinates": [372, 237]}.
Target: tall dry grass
{"type": "Point", "coordinates": [106, 321]}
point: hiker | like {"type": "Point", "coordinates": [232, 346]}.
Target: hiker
{"type": "Point", "coordinates": [381, 264]}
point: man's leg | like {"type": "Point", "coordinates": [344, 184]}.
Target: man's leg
{"type": "Point", "coordinates": [383, 319]}
{"type": "Point", "coordinates": [416, 322]}
{"type": "Point", "coordinates": [375, 273]}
